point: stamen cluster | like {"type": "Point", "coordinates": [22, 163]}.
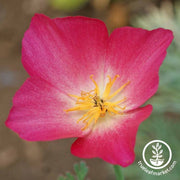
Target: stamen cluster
{"type": "Point", "coordinates": [95, 106]}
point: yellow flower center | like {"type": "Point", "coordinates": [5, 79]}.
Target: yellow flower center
{"type": "Point", "coordinates": [95, 106]}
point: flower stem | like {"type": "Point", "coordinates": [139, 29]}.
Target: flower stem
{"type": "Point", "coordinates": [118, 172]}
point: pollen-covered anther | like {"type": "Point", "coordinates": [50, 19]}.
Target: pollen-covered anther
{"type": "Point", "coordinates": [96, 107]}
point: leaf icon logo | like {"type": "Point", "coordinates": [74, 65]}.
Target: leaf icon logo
{"type": "Point", "coordinates": [157, 155]}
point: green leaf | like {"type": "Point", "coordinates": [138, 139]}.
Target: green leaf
{"type": "Point", "coordinates": [68, 5]}
{"type": "Point", "coordinates": [61, 178]}
{"type": "Point", "coordinates": [70, 176]}
{"type": "Point", "coordinates": [81, 171]}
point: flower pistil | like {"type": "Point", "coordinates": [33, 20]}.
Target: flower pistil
{"type": "Point", "coordinates": [96, 106]}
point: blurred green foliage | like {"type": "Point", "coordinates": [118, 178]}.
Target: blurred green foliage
{"type": "Point", "coordinates": [167, 98]}
{"type": "Point", "coordinates": [81, 171]}
{"type": "Point", "coordinates": [156, 127]}
{"type": "Point", "coordinates": [68, 5]}
{"type": "Point", "coordinates": [163, 124]}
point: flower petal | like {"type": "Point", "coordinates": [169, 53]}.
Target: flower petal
{"type": "Point", "coordinates": [115, 143]}
{"type": "Point", "coordinates": [38, 113]}
{"type": "Point", "coordinates": [136, 55]}
{"type": "Point", "coordinates": [64, 51]}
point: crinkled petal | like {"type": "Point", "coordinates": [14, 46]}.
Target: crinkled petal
{"type": "Point", "coordinates": [65, 51]}
{"type": "Point", "coordinates": [38, 113]}
{"type": "Point", "coordinates": [114, 140]}
{"type": "Point", "coordinates": [136, 55]}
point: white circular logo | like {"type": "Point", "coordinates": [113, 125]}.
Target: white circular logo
{"type": "Point", "coordinates": [157, 154]}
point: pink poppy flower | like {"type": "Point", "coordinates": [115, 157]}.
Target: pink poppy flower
{"type": "Point", "coordinates": [84, 83]}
